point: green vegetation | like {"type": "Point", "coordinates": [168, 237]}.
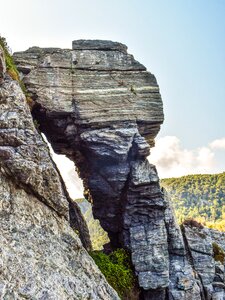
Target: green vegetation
{"type": "Point", "coordinates": [12, 69]}
{"type": "Point", "coordinates": [199, 197]}
{"type": "Point", "coordinates": [98, 236]}
{"type": "Point", "coordinates": [132, 89]}
{"type": "Point", "coordinates": [10, 65]}
{"type": "Point", "coordinates": [118, 271]}
{"type": "Point", "coordinates": [218, 253]}
{"type": "Point", "coordinates": [116, 266]}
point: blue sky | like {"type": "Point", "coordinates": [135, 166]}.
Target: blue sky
{"type": "Point", "coordinates": [181, 41]}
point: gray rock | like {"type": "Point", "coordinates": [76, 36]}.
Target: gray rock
{"type": "Point", "coordinates": [210, 272]}
{"type": "Point", "coordinates": [96, 99]}
{"type": "Point", "coordinates": [23, 154]}
{"type": "Point", "coordinates": [217, 237]}
{"type": "Point", "coordinates": [41, 256]}
{"type": "Point", "coordinates": [183, 283]}
{"type": "Point", "coordinates": [98, 45]}
{"type": "Point", "coordinates": [102, 109]}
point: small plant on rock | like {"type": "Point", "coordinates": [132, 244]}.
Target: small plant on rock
{"type": "Point", "coordinates": [10, 65]}
{"type": "Point", "coordinates": [118, 271]}
{"type": "Point", "coordinates": [218, 253]}
{"type": "Point", "coordinates": [12, 70]}
{"type": "Point", "coordinates": [193, 223]}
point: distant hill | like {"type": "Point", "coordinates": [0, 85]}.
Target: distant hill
{"type": "Point", "coordinates": [201, 197]}
{"type": "Point", "coordinates": [98, 236]}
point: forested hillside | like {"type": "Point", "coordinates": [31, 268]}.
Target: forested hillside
{"type": "Point", "coordinates": [201, 197]}
{"type": "Point", "coordinates": [98, 236]}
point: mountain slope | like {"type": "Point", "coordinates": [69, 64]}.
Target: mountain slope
{"type": "Point", "coordinates": [98, 236]}
{"type": "Point", "coordinates": [198, 196]}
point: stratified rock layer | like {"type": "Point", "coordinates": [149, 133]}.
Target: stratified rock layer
{"type": "Point", "coordinates": [41, 257]}
{"type": "Point", "coordinates": [102, 109]}
{"type": "Point", "coordinates": [209, 269]}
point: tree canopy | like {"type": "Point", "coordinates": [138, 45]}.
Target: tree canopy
{"type": "Point", "coordinates": [201, 197]}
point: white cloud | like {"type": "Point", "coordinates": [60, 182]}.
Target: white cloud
{"type": "Point", "coordinates": [218, 144]}
{"type": "Point", "coordinates": [172, 160]}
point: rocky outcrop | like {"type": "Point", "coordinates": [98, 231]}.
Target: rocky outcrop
{"type": "Point", "coordinates": [41, 256]}
{"type": "Point", "coordinates": [209, 269]}
{"type": "Point", "coordinates": [100, 107]}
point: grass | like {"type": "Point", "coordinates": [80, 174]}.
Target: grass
{"type": "Point", "coordinates": [12, 70]}
{"type": "Point", "coordinates": [117, 269]}
{"type": "Point", "coordinates": [10, 65]}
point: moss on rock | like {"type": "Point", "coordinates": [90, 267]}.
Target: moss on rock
{"type": "Point", "coordinates": [218, 253]}
{"type": "Point", "coordinates": [118, 271]}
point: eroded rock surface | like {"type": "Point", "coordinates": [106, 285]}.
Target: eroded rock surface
{"type": "Point", "coordinates": [100, 107]}
{"type": "Point", "coordinates": [41, 256]}
{"type": "Point", "coordinates": [209, 270]}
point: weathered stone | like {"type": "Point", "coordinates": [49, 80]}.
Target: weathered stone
{"type": "Point", "coordinates": [98, 45]}
{"type": "Point", "coordinates": [23, 154]}
{"type": "Point", "coordinates": [92, 103]}
{"type": "Point", "coordinates": [41, 256]}
{"type": "Point", "coordinates": [209, 272]}
{"type": "Point", "coordinates": [102, 109]}
{"type": "Point", "coordinates": [218, 237]}
{"type": "Point", "coordinates": [183, 282]}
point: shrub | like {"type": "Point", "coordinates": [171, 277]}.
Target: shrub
{"type": "Point", "coordinates": [12, 70]}
{"type": "Point", "coordinates": [193, 223]}
{"type": "Point", "coordinates": [118, 271]}
{"type": "Point", "coordinates": [218, 253]}
{"type": "Point", "coordinates": [10, 65]}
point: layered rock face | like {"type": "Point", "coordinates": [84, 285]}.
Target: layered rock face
{"type": "Point", "coordinates": [102, 109]}
{"type": "Point", "coordinates": [41, 256]}
{"type": "Point", "coordinates": [210, 271]}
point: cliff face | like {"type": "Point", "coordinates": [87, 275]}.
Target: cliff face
{"type": "Point", "coordinates": [102, 109]}
{"type": "Point", "coordinates": [41, 257]}
{"type": "Point", "coordinates": [202, 246]}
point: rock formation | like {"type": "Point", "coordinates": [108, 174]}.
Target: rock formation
{"type": "Point", "coordinates": [101, 108]}
{"type": "Point", "coordinates": [41, 256]}
{"type": "Point", "coordinates": [209, 271]}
